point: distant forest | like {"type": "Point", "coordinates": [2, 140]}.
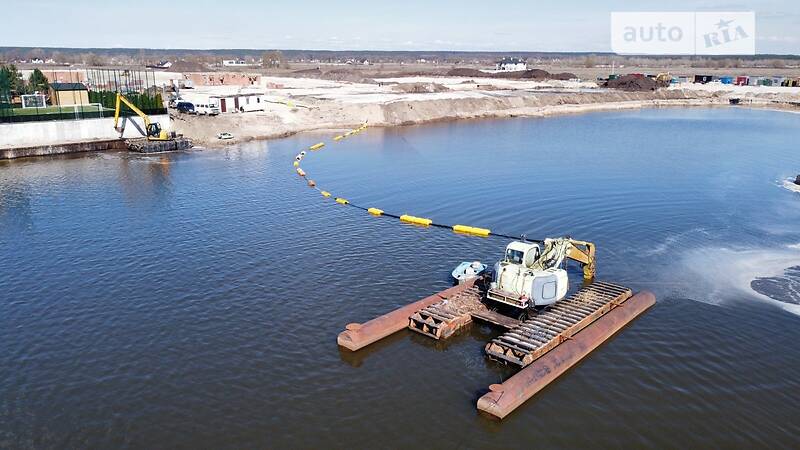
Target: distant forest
{"type": "Point", "coordinates": [272, 58]}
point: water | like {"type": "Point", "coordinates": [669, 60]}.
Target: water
{"type": "Point", "coordinates": [193, 300]}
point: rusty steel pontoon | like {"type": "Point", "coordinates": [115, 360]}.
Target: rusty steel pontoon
{"type": "Point", "coordinates": [544, 345]}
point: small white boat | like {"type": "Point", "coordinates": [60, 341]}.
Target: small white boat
{"type": "Point", "coordinates": [224, 136]}
{"type": "Point", "coordinates": [468, 270]}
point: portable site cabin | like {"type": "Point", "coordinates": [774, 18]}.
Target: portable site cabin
{"type": "Point", "coordinates": [742, 81]}
{"type": "Point", "coordinates": [726, 80]}
{"type": "Point", "coordinates": [791, 82]}
{"type": "Point", "coordinates": [239, 102]}
{"type": "Point", "coordinates": [68, 94]}
{"type": "Point", "coordinates": [703, 79]}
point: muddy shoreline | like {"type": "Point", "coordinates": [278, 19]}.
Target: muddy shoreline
{"type": "Point", "coordinates": [335, 116]}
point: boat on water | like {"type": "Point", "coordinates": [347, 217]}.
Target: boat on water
{"type": "Point", "coordinates": [468, 270]}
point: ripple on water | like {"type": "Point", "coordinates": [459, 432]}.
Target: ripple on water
{"type": "Point", "coordinates": [194, 299]}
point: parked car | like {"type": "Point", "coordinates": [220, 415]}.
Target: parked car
{"type": "Point", "coordinates": [185, 107]}
{"type": "Point", "coordinates": [206, 109]}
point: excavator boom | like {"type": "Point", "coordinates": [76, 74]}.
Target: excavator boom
{"type": "Point", "coordinates": [153, 130]}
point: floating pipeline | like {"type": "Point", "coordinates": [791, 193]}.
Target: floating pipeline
{"type": "Point", "coordinates": [475, 231]}
{"type": "Point", "coordinates": [465, 230]}
{"type": "Point", "coordinates": [416, 220]}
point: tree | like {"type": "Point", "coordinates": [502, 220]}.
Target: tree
{"type": "Point", "coordinates": [38, 82]}
{"type": "Point", "coordinates": [11, 79]}
{"type": "Point", "coordinates": [273, 59]}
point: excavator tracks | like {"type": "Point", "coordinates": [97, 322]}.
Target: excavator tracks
{"type": "Point", "coordinates": [143, 145]}
{"type": "Point", "coordinates": [441, 320]}
{"type": "Point", "coordinates": [534, 337]}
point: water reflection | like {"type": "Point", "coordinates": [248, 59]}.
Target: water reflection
{"type": "Point", "coordinates": [145, 179]}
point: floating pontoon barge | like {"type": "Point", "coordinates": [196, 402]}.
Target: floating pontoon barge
{"type": "Point", "coordinates": [544, 346]}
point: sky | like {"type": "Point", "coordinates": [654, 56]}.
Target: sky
{"type": "Point", "coordinates": [485, 25]}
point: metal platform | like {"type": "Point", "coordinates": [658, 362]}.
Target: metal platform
{"type": "Point", "coordinates": [442, 319]}
{"type": "Point", "coordinates": [142, 145]}
{"type": "Point", "coordinates": [534, 337]}
{"type": "Point", "coordinates": [495, 318]}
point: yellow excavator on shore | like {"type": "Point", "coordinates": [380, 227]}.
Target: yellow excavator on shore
{"type": "Point", "coordinates": [157, 139]}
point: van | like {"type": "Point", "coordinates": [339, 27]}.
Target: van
{"type": "Point", "coordinates": [185, 107]}
{"type": "Point", "coordinates": [206, 109]}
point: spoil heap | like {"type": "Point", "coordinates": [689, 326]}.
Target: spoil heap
{"type": "Point", "coordinates": [532, 74]}
{"type": "Point", "coordinates": [634, 83]}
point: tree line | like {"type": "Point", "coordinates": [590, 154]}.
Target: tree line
{"type": "Point", "coordinates": [12, 82]}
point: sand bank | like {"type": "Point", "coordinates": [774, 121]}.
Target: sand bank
{"type": "Point", "coordinates": [302, 104]}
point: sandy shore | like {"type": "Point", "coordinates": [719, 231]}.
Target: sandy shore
{"type": "Point", "coordinates": [302, 104]}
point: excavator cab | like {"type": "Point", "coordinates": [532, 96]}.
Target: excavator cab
{"type": "Point", "coordinates": [154, 130]}
{"type": "Point", "coordinates": [529, 276]}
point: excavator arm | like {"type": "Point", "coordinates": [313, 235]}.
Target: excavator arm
{"type": "Point", "coordinates": [152, 130]}
{"type": "Point", "coordinates": [584, 253]}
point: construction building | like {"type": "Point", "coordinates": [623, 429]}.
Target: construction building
{"type": "Point", "coordinates": [68, 94]}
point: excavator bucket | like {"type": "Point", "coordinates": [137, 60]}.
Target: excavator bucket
{"type": "Point", "coordinates": [584, 253]}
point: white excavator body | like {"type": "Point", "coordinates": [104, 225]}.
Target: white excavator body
{"type": "Point", "coordinates": [528, 276]}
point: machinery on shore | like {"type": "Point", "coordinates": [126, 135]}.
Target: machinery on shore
{"type": "Point", "coordinates": [529, 276]}
{"type": "Point", "coordinates": [156, 139]}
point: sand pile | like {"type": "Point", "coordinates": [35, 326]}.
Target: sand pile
{"type": "Point", "coordinates": [419, 88]}
{"type": "Point", "coordinates": [187, 66]}
{"type": "Point", "coordinates": [347, 75]}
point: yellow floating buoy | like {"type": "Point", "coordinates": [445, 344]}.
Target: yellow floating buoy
{"type": "Point", "coordinates": [415, 220]}
{"type": "Point", "coordinates": [338, 138]}
{"type": "Point", "coordinates": [475, 231]}
{"type": "Point", "coordinates": [317, 146]}
{"type": "Point", "coordinates": [375, 211]}
{"type": "Point", "coordinates": [297, 163]}
{"type": "Point", "coordinates": [325, 194]}
{"type": "Point", "coordinates": [341, 201]}
{"type": "Point", "coordinates": [301, 172]}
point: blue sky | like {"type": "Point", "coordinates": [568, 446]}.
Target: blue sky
{"type": "Point", "coordinates": [577, 25]}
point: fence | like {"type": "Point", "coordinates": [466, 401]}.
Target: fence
{"type": "Point", "coordinates": [101, 87]}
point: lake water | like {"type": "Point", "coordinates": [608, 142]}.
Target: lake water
{"type": "Point", "coordinates": [193, 300]}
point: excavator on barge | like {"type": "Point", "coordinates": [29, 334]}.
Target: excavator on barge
{"type": "Point", "coordinates": [155, 139]}
{"type": "Point", "coordinates": [531, 276]}
{"type": "Point", "coordinates": [545, 331]}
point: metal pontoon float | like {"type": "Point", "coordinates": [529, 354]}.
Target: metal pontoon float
{"type": "Point", "coordinates": [545, 345]}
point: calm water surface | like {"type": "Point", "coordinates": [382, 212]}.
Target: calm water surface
{"type": "Point", "coordinates": [193, 300]}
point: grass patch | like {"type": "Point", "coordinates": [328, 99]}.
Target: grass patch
{"type": "Point", "coordinates": [53, 110]}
